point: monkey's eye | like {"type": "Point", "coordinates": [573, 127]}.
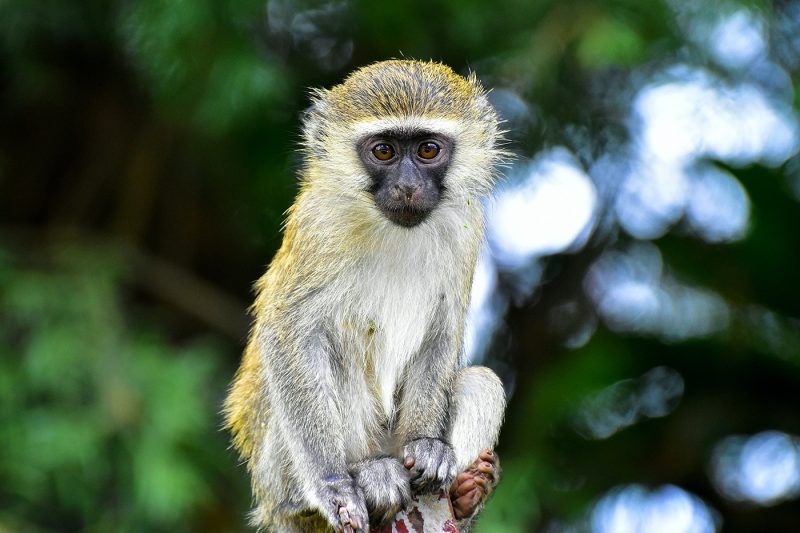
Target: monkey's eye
{"type": "Point", "coordinates": [428, 150]}
{"type": "Point", "coordinates": [383, 152]}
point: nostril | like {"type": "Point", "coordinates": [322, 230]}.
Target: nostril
{"type": "Point", "coordinates": [404, 192]}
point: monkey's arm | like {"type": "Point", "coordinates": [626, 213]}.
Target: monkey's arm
{"type": "Point", "coordinates": [307, 415]}
{"type": "Point", "coordinates": [423, 414]}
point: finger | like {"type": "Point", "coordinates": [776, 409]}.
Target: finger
{"type": "Point", "coordinates": [444, 473]}
{"type": "Point", "coordinates": [409, 462]}
{"type": "Point", "coordinates": [453, 469]}
{"type": "Point", "coordinates": [464, 504]}
{"type": "Point", "coordinates": [487, 455]}
{"type": "Point", "coordinates": [465, 487]}
{"type": "Point", "coordinates": [486, 468]}
{"type": "Point", "coordinates": [475, 499]}
{"type": "Point", "coordinates": [405, 497]}
{"type": "Point", "coordinates": [350, 519]}
{"type": "Point", "coordinates": [344, 520]}
{"type": "Point", "coordinates": [430, 463]}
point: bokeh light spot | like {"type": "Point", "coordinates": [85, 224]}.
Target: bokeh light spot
{"type": "Point", "coordinates": [654, 394]}
{"type": "Point", "coordinates": [551, 210]}
{"type": "Point", "coordinates": [668, 509]}
{"type": "Point", "coordinates": [763, 469]}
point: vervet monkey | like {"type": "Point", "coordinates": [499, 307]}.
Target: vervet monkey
{"type": "Point", "coordinates": [352, 395]}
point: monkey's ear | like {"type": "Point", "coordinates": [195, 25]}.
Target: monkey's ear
{"type": "Point", "coordinates": [311, 112]}
{"type": "Point", "coordinates": [314, 116]}
{"type": "Point", "coordinates": [482, 98]}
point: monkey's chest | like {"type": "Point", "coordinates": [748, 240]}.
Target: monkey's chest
{"type": "Point", "coordinates": [388, 323]}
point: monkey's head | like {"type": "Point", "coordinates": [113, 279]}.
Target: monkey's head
{"type": "Point", "coordinates": [402, 139]}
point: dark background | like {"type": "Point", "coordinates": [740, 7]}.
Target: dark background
{"type": "Point", "coordinates": [639, 293]}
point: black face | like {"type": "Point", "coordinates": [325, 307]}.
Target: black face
{"type": "Point", "coordinates": [407, 173]}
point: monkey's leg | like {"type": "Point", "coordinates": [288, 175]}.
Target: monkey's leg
{"type": "Point", "coordinates": [478, 404]}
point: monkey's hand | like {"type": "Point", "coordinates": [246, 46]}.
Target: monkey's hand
{"type": "Point", "coordinates": [342, 504]}
{"type": "Point", "coordinates": [432, 464]}
{"type": "Point", "coordinates": [385, 483]}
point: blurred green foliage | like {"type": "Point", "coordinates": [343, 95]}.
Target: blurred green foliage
{"type": "Point", "coordinates": [105, 426]}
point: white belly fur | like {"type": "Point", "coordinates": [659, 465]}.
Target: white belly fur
{"type": "Point", "coordinates": [391, 303]}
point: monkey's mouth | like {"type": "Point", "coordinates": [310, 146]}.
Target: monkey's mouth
{"type": "Point", "coordinates": [406, 210]}
{"type": "Point", "coordinates": [406, 215]}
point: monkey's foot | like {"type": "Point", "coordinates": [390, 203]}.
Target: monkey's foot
{"type": "Point", "coordinates": [472, 486]}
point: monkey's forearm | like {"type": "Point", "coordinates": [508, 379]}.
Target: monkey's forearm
{"type": "Point", "coordinates": [423, 414]}
{"type": "Point", "coordinates": [425, 397]}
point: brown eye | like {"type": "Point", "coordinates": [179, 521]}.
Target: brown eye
{"type": "Point", "coordinates": [382, 151]}
{"type": "Point", "coordinates": [428, 150]}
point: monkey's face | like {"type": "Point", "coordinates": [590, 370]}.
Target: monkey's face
{"type": "Point", "coordinates": [406, 172]}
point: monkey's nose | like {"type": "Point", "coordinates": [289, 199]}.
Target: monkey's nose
{"type": "Point", "coordinates": [405, 192]}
